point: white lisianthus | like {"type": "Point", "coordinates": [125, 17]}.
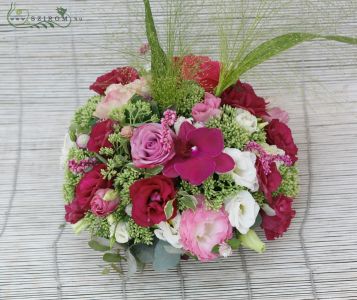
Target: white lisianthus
{"type": "Point", "coordinates": [170, 232]}
{"type": "Point", "coordinates": [244, 172]}
{"type": "Point", "coordinates": [242, 211]}
{"type": "Point", "coordinates": [118, 230]}
{"type": "Point", "coordinates": [246, 120]}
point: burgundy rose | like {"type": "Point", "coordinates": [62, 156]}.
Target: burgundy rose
{"type": "Point", "coordinates": [268, 183]}
{"type": "Point", "coordinates": [201, 69]}
{"type": "Point", "coordinates": [74, 212]}
{"type": "Point", "coordinates": [279, 134]}
{"type": "Point", "coordinates": [122, 75]}
{"type": "Point", "coordinates": [89, 184]}
{"type": "Point", "coordinates": [242, 95]}
{"type": "Point", "coordinates": [149, 197]}
{"type": "Point", "coordinates": [275, 226]}
{"type": "Point", "coordinates": [101, 206]}
{"type": "Point", "coordinates": [99, 135]}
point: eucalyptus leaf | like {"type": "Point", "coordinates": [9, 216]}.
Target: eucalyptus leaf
{"type": "Point", "coordinates": [132, 264]}
{"type": "Point", "coordinates": [144, 253]}
{"type": "Point", "coordinates": [112, 257]}
{"type": "Point", "coordinates": [234, 243]}
{"type": "Point", "coordinates": [97, 246]}
{"type": "Point", "coordinates": [106, 271]}
{"type": "Point", "coordinates": [154, 171]}
{"type": "Point", "coordinates": [215, 249]}
{"type": "Point", "coordinates": [164, 260]}
{"type": "Point", "coordinates": [258, 221]}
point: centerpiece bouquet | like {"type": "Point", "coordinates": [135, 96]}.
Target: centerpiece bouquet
{"type": "Point", "coordinates": [181, 160]}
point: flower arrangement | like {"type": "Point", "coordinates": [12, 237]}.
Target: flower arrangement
{"type": "Point", "coordinates": [179, 161]}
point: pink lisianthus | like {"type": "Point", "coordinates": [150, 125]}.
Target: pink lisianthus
{"type": "Point", "coordinates": [277, 113]}
{"type": "Point", "coordinates": [207, 109]}
{"type": "Point", "coordinates": [101, 207]}
{"type": "Point", "coordinates": [199, 154]}
{"type": "Point", "coordinates": [152, 145]}
{"type": "Point", "coordinates": [202, 229]}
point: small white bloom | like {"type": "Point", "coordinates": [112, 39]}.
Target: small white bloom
{"type": "Point", "coordinates": [242, 211]}
{"type": "Point", "coordinates": [247, 120]}
{"type": "Point", "coordinates": [244, 172]}
{"type": "Point", "coordinates": [121, 233]}
{"type": "Point", "coordinates": [268, 210]}
{"type": "Point", "coordinates": [82, 141]}
{"type": "Point", "coordinates": [67, 145]}
{"type": "Point", "coordinates": [225, 250]}
{"type": "Point", "coordinates": [129, 209]}
{"type": "Point", "coordinates": [179, 122]}
{"type": "Point", "coordinates": [169, 232]}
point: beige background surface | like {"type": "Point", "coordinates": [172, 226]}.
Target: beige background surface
{"type": "Point", "coordinates": [45, 75]}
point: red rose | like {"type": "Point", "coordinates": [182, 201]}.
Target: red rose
{"type": "Point", "coordinates": [99, 135]}
{"type": "Point", "coordinates": [279, 134]}
{"type": "Point", "coordinates": [89, 184]}
{"type": "Point", "coordinates": [74, 212]}
{"type": "Point", "coordinates": [201, 69]}
{"type": "Point", "coordinates": [149, 197]}
{"type": "Point", "coordinates": [242, 95]}
{"type": "Point", "coordinates": [268, 183]}
{"type": "Point", "coordinates": [123, 75]}
{"type": "Point", "coordinates": [275, 226]}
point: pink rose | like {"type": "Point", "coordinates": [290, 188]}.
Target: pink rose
{"type": "Point", "coordinates": [277, 113]}
{"type": "Point", "coordinates": [152, 145]}
{"type": "Point", "coordinates": [202, 229]}
{"type": "Point", "coordinates": [207, 109]}
{"type": "Point", "coordinates": [101, 207]}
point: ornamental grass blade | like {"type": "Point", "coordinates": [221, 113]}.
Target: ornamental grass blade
{"type": "Point", "coordinates": [272, 48]}
{"type": "Point", "coordinates": [158, 56]}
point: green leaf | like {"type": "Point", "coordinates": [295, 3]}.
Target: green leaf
{"type": "Point", "coordinates": [97, 246]}
{"type": "Point", "coordinates": [159, 59]}
{"type": "Point", "coordinates": [132, 264]}
{"type": "Point", "coordinates": [164, 260]}
{"type": "Point", "coordinates": [234, 243]}
{"type": "Point", "coordinates": [169, 209]}
{"type": "Point", "coordinates": [188, 200]}
{"type": "Point", "coordinates": [272, 48]}
{"type": "Point", "coordinates": [215, 249]}
{"type": "Point", "coordinates": [144, 253]}
{"type": "Point", "coordinates": [106, 271]}
{"type": "Point", "coordinates": [258, 221]}
{"type": "Point", "coordinates": [154, 171]}
{"type": "Point", "coordinates": [112, 257]}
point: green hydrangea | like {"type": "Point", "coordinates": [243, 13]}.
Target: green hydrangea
{"type": "Point", "coordinates": [140, 234]}
{"type": "Point", "coordinates": [290, 183]}
{"type": "Point", "coordinates": [122, 183]}
{"type": "Point", "coordinates": [217, 188]}
{"type": "Point", "coordinates": [234, 135]}
{"type": "Point", "coordinates": [83, 119]}
{"type": "Point", "coordinates": [97, 226]}
{"type": "Point", "coordinates": [114, 166]}
{"type": "Point", "coordinates": [78, 154]}
{"type": "Point", "coordinates": [69, 186]}
{"type": "Point", "coordinates": [259, 197]}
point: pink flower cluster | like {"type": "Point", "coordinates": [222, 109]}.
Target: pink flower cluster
{"type": "Point", "coordinates": [81, 166]}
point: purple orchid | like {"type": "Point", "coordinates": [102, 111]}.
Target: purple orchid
{"type": "Point", "coordinates": [198, 154]}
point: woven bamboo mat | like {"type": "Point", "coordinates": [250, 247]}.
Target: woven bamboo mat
{"type": "Point", "coordinates": [45, 75]}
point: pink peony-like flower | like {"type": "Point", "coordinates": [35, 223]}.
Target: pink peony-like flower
{"type": "Point", "coordinates": [275, 226]}
{"type": "Point", "coordinates": [152, 145]}
{"type": "Point", "coordinates": [202, 229]}
{"type": "Point", "coordinates": [101, 207]}
{"type": "Point", "coordinates": [207, 109]}
{"type": "Point", "coordinates": [199, 154]}
{"type": "Point", "coordinates": [277, 113]}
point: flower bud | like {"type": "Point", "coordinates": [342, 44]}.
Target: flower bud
{"type": "Point", "coordinates": [225, 250]}
{"type": "Point", "coordinates": [82, 141]}
{"type": "Point", "coordinates": [121, 233]}
{"type": "Point", "coordinates": [111, 195]}
{"type": "Point", "coordinates": [252, 241]}
{"type": "Point", "coordinates": [127, 132]}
